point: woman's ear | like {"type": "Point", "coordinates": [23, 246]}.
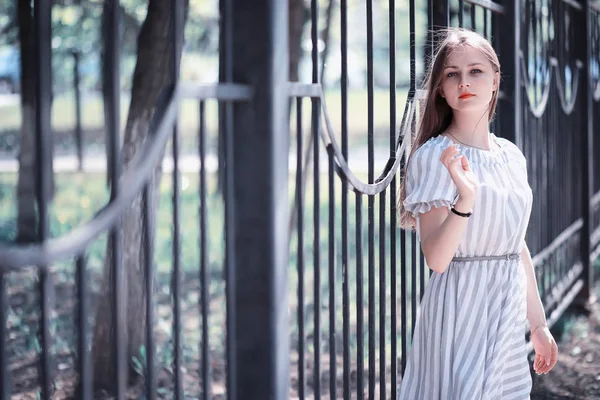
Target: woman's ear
{"type": "Point", "coordinates": [496, 81]}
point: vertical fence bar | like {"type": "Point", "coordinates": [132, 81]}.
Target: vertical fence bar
{"type": "Point", "coordinates": [148, 249]}
{"type": "Point", "coordinates": [440, 14]}
{"type": "Point", "coordinates": [78, 129]}
{"type": "Point", "coordinates": [316, 249]}
{"type": "Point", "coordinates": [300, 251]}
{"type": "Point", "coordinates": [485, 22]}
{"type": "Point", "coordinates": [430, 44]}
{"type": "Point", "coordinates": [382, 295]}
{"type": "Point", "coordinates": [226, 120]}
{"type": "Point", "coordinates": [113, 130]}
{"type": "Point", "coordinates": [461, 10]}
{"type": "Point", "coordinates": [331, 277]}
{"type": "Point", "coordinates": [371, 199]}
{"type": "Point", "coordinates": [176, 266]}
{"type": "Point", "coordinates": [414, 246]}
{"type": "Point", "coordinates": [360, 358]}
{"type": "Point", "coordinates": [43, 142]}
{"type": "Point", "coordinates": [536, 61]}
{"type": "Point", "coordinates": [393, 222]}
{"type": "Point", "coordinates": [422, 270]}
{"type": "Point", "coordinates": [176, 27]}
{"type": "Point", "coordinates": [204, 282]}
{"type": "Point", "coordinates": [231, 302]}
{"type": "Point", "coordinates": [84, 359]}
{"type": "Point", "coordinates": [587, 160]}
{"type": "Point", "coordinates": [403, 242]}
{"type": "Point", "coordinates": [418, 273]}
{"type": "Point", "coordinates": [403, 293]}
{"type": "Point", "coordinates": [510, 107]}
{"type": "Point", "coordinates": [261, 211]}
{"type": "Point", "coordinates": [344, 124]}
{"type": "Point", "coordinates": [4, 375]}
{"type": "Point", "coordinates": [314, 26]}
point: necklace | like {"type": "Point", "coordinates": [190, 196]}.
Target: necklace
{"type": "Point", "coordinates": [468, 145]}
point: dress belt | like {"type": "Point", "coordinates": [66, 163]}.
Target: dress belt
{"type": "Point", "coordinates": [513, 256]}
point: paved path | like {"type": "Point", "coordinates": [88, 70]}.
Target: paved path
{"type": "Point", "coordinates": [191, 163]}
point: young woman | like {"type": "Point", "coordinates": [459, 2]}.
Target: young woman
{"type": "Point", "coordinates": [466, 193]}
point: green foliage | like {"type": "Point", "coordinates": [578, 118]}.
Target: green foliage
{"type": "Point", "coordinates": [140, 364]}
{"type": "Point", "coordinates": [79, 196]}
{"type": "Point", "coordinates": [78, 28]}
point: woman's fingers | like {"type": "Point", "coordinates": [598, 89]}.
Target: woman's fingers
{"type": "Point", "coordinates": [553, 356]}
{"type": "Point", "coordinates": [536, 363]}
{"type": "Point", "coordinates": [550, 357]}
{"type": "Point", "coordinates": [539, 363]}
{"type": "Point", "coordinates": [448, 154]}
{"type": "Point", "coordinates": [544, 365]}
{"type": "Point", "coordinates": [456, 161]}
{"type": "Point", "coordinates": [465, 164]}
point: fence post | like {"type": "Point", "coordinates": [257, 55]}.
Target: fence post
{"type": "Point", "coordinates": [587, 168]}
{"type": "Point", "coordinates": [507, 42]}
{"type": "Point", "coordinates": [260, 133]}
{"type": "Point", "coordinates": [438, 17]}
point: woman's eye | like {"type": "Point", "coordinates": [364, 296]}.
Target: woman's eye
{"type": "Point", "coordinates": [451, 74]}
{"type": "Point", "coordinates": [476, 71]}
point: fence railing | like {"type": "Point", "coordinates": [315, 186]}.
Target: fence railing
{"type": "Point", "coordinates": [314, 293]}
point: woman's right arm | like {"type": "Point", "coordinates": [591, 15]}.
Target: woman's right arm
{"type": "Point", "coordinates": [441, 232]}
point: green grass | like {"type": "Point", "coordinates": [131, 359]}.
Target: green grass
{"type": "Point", "coordinates": [79, 196]}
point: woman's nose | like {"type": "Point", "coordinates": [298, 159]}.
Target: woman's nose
{"type": "Point", "coordinates": [464, 84]}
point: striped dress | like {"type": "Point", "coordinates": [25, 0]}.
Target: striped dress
{"type": "Point", "coordinates": [469, 339]}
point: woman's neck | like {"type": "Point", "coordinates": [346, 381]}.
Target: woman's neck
{"type": "Point", "coordinates": [470, 130]}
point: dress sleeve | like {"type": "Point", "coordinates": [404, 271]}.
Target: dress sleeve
{"type": "Point", "coordinates": [428, 182]}
{"type": "Point", "coordinates": [516, 155]}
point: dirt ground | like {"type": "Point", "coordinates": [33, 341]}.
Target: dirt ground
{"type": "Point", "coordinates": [577, 373]}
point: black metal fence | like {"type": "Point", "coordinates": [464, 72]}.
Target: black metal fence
{"type": "Point", "coordinates": [316, 293]}
{"type": "Point", "coordinates": [555, 125]}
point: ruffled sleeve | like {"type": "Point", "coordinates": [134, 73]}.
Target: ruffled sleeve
{"type": "Point", "coordinates": [428, 182]}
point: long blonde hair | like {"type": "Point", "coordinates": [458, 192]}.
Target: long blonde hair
{"type": "Point", "coordinates": [437, 114]}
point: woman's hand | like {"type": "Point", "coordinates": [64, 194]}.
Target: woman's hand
{"type": "Point", "coordinates": [460, 171]}
{"type": "Point", "coordinates": [546, 350]}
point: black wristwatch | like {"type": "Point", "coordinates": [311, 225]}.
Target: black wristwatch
{"type": "Point", "coordinates": [466, 215]}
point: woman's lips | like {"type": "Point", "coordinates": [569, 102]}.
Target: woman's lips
{"type": "Point", "coordinates": [466, 96]}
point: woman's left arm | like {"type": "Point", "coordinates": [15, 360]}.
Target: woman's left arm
{"type": "Point", "coordinates": [546, 350]}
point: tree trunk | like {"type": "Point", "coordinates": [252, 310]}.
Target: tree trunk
{"type": "Point", "coordinates": [325, 35]}
{"type": "Point", "coordinates": [297, 17]}
{"type": "Point", "coordinates": [27, 218]}
{"type": "Point", "coordinates": [152, 76]}
{"type": "Point", "coordinates": [26, 189]}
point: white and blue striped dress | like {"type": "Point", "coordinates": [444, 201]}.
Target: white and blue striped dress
{"type": "Point", "coordinates": [469, 339]}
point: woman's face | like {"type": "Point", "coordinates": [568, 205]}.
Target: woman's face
{"type": "Point", "coordinates": [469, 80]}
